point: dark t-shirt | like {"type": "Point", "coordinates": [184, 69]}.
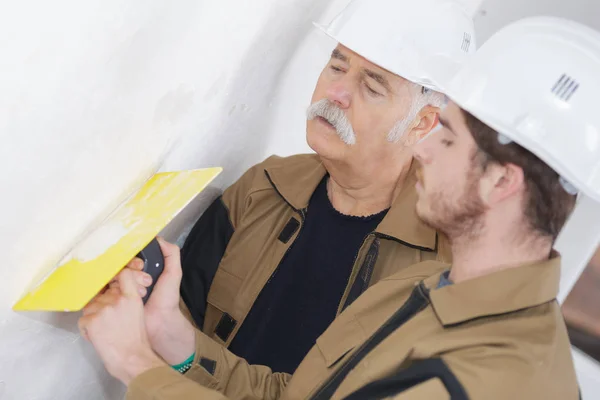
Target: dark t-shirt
{"type": "Point", "coordinates": [301, 299]}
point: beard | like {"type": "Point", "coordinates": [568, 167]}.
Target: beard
{"type": "Point", "coordinates": [460, 219]}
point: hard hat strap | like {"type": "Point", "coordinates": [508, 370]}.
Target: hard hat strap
{"type": "Point", "coordinates": [568, 186]}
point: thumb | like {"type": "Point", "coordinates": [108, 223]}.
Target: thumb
{"type": "Point", "coordinates": [172, 256]}
{"type": "Point", "coordinates": [127, 283]}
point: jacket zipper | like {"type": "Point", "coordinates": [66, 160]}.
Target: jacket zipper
{"type": "Point", "coordinates": [418, 300]}
{"type": "Point", "coordinates": [412, 246]}
{"type": "Point", "coordinates": [344, 300]}
{"type": "Point", "coordinates": [348, 288]}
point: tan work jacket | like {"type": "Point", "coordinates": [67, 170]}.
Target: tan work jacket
{"type": "Point", "coordinates": [496, 337]}
{"type": "Point", "coordinates": [241, 239]}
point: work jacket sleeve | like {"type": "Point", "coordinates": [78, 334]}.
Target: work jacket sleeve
{"type": "Point", "coordinates": [206, 244]}
{"type": "Point", "coordinates": [216, 372]}
{"type": "Point", "coordinates": [164, 383]}
{"type": "Point", "coordinates": [218, 368]}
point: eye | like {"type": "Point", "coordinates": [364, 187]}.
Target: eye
{"type": "Point", "coordinates": [447, 142]}
{"type": "Point", "coordinates": [336, 69]}
{"type": "Point", "coordinates": [372, 92]}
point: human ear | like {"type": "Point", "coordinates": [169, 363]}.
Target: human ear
{"type": "Point", "coordinates": [426, 120]}
{"type": "Point", "coordinates": [501, 182]}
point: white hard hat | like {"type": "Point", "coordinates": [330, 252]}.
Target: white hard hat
{"type": "Point", "coordinates": [423, 41]}
{"type": "Point", "coordinates": [536, 82]}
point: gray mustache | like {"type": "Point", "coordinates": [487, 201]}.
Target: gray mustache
{"type": "Point", "coordinates": [335, 116]}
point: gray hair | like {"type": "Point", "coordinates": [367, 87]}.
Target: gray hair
{"type": "Point", "coordinates": [335, 116]}
{"type": "Point", "coordinates": [422, 97]}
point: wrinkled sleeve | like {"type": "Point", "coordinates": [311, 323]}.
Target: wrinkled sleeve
{"type": "Point", "coordinates": [164, 383]}
{"type": "Point", "coordinates": [216, 373]}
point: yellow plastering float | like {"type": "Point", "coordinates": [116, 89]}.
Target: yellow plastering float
{"type": "Point", "coordinates": [101, 255]}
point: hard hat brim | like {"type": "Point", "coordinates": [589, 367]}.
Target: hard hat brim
{"type": "Point", "coordinates": [428, 83]}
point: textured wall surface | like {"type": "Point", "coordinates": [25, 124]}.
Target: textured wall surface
{"type": "Point", "coordinates": [96, 95]}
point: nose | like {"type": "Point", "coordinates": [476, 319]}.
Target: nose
{"type": "Point", "coordinates": [339, 93]}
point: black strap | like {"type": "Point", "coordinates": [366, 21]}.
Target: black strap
{"type": "Point", "coordinates": [209, 365]}
{"type": "Point", "coordinates": [225, 326]}
{"type": "Point", "coordinates": [415, 374]}
{"type": "Point", "coordinates": [417, 301]}
{"type": "Point", "coordinates": [288, 231]}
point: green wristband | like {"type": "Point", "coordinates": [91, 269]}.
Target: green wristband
{"type": "Point", "coordinates": [186, 365]}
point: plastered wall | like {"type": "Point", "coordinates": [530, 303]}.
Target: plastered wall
{"type": "Point", "coordinates": [95, 96]}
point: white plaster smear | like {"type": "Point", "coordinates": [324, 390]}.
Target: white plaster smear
{"type": "Point", "coordinates": [96, 96]}
{"type": "Point", "coordinates": [93, 95]}
{"type": "Point", "coordinates": [98, 242]}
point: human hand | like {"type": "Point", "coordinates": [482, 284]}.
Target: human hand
{"type": "Point", "coordinates": [114, 323]}
{"type": "Point", "coordinates": [171, 335]}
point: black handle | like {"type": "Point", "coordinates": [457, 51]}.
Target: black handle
{"type": "Point", "coordinates": [154, 264]}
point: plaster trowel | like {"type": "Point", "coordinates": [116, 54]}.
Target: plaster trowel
{"type": "Point", "coordinates": [129, 231]}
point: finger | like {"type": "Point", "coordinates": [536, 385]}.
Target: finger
{"type": "Point", "coordinates": [142, 290]}
{"type": "Point", "coordinates": [142, 278]}
{"type": "Point", "coordinates": [86, 325]}
{"type": "Point", "coordinates": [127, 283]}
{"type": "Point", "coordinates": [109, 298]}
{"type": "Point", "coordinates": [136, 264]}
{"type": "Point", "coordinates": [82, 324]}
{"type": "Point", "coordinates": [93, 308]}
{"type": "Point", "coordinates": [168, 249]}
{"type": "Point", "coordinates": [172, 255]}
{"type": "Point", "coordinates": [111, 295]}
{"type": "Point", "coordinates": [100, 293]}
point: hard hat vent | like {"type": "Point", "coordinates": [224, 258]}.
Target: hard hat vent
{"type": "Point", "coordinates": [466, 43]}
{"type": "Point", "coordinates": [565, 87]}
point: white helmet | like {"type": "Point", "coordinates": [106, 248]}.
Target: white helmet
{"type": "Point", "coordinates": [423, 41]}
{"type": "Point", "coordinates": [536, 82]}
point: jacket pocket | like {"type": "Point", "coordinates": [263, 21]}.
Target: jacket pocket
{"type": "Point", "coordinates": [342, 336]}
{"type": "Point", "coordinates": [221, 319]}
{"type": "Point", "coordinates": [223, 290]}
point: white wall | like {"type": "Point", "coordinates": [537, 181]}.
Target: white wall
{"type": "Point", "coordinates": [92, 94]}
{"type": "Point", "coordinates": [96, 95]}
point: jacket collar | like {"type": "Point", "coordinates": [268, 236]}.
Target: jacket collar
{"type": "Point", "coordinates": [297, 181]}
{"type": "Point", "coordinates": [402, 223]}
{"type": "Point", "coordinates": [502, 292]}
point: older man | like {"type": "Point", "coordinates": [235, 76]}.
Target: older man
{"type": "Point", "coordinates": [489, 327]}
{"type": "Point", "coordinates": [296, 240]}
